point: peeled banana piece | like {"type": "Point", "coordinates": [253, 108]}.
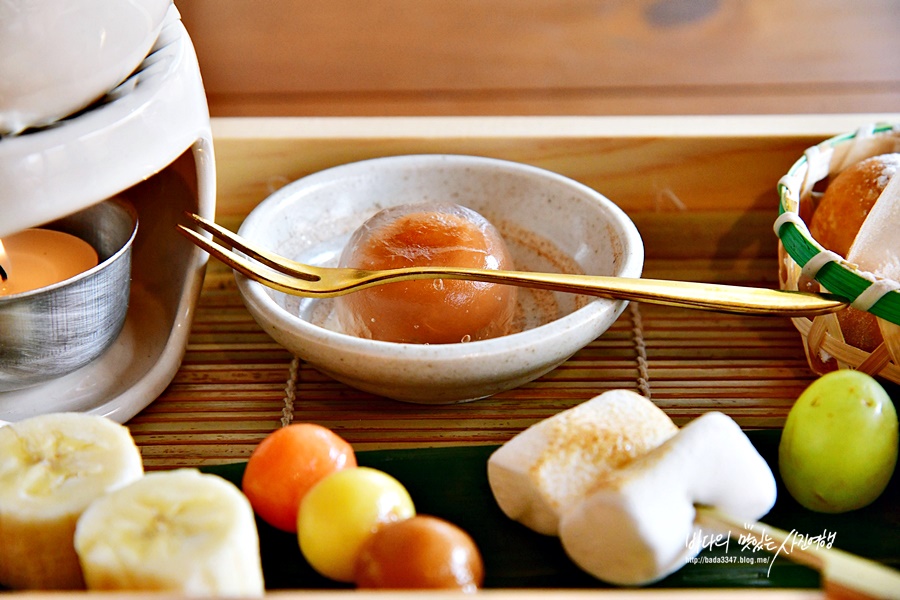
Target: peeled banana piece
{"type": "Point", "coordinates": [180, 531]}
{"type": "Point", "coordinates": [51, 468]}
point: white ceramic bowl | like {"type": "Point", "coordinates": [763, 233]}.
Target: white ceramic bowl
{"type": "Point", "coordinates": [59, 56]}
{"type": "Point", "coordinates": [548, 221]}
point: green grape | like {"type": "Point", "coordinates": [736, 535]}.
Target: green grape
{"type": "Point", "coordinates": [341, 511]}
{"type": "Point", "coordinates": [839, 444]}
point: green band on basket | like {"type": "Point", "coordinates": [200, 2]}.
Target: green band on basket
{"type": "Point", "coordinates": [837, 276]}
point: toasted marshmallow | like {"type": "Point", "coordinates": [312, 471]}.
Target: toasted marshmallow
{"type": "Point", "coordinates": [551, 465]}
{"type": "Point", "coordinates": [636, 526]}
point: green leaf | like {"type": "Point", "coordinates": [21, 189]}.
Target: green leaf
{"type": "Point", "coordinates": [451, 483]}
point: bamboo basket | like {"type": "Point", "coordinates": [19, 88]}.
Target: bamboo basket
{"type": "Point", "coordinates": [805, 265]}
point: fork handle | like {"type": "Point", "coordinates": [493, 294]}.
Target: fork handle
{"type": "Point", "coordinates": [683, 294]}
{"type": "Point", "coordinates": [302, 280]}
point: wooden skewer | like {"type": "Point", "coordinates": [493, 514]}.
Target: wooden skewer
{"type": "Point", "coordinates": [844, 575]}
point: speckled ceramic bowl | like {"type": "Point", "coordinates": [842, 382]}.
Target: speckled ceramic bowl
{"type": "Point", "coordinates": [549, 222]}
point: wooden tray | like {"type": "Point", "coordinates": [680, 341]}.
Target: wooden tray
{"type": "Point", "coordinates": [702, 191]}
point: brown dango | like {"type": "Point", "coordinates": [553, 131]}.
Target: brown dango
{"type": "Point", "coordinates": [422, 552]}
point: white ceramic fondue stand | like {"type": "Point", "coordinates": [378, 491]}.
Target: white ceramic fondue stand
{"type": "Point", "coordinates": [149, 141]}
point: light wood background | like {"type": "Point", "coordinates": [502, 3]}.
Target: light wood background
{"type": "Point", "coordinates": [546, 57]}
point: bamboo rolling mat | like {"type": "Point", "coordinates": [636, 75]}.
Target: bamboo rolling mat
{"type": "Point", "coordinates": [236, 384]}
{"type": "Point", "coordinates": [700, 190]}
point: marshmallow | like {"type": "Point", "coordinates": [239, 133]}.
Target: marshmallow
{"type": "Point", "coordinates": [636, 526]}
{"type": "Point", "coordinates": [551, 465]}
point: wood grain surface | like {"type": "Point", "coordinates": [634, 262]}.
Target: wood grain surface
{"type": "Point", "coordinates": [546, 57]}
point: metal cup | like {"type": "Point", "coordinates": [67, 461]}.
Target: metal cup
{"type": "Point", "coordinates": [55, 330]}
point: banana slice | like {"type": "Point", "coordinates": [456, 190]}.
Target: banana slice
{"type": "Point", "coordinates": [51, 468]}
{"type": "Point", "coordinates": [179, 530]}
{"type": "Point", "coordinates": [551, 465]}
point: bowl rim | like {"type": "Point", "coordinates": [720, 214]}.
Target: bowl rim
{"type": "Point", "coordinates": [632, 265]}
{"type": "Point", "coordinates": [837, 276]}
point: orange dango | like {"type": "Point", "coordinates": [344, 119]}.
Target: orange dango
{"type": "Point", "coordinates": [438, 311]}
{"type": "Point", "coordinates": [286, 464]}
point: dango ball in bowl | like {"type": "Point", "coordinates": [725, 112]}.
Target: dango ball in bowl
{"type": "Point", "coordinates": [433, 234]}
{"type": "Point", "coordinates": [548, 222]}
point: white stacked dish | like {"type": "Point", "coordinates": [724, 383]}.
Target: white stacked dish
{"type": "Point", "coordinates": [148, 142]}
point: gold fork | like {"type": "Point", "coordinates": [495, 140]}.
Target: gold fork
{"type": "Point", "coordinates": [300, 279]}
